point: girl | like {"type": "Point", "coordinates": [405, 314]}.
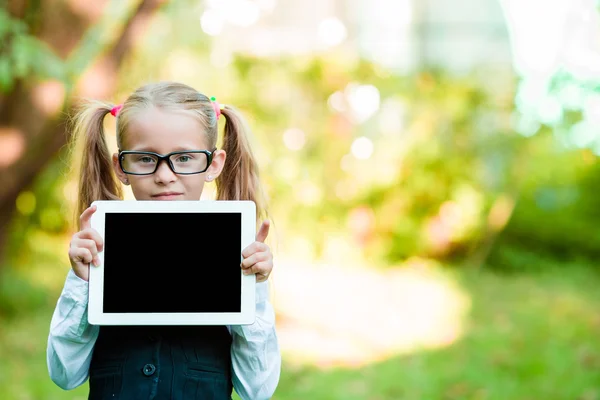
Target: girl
{"type": "Point", "coordinates": [163, 362]}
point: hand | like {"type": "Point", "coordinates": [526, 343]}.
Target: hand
{"type": "Point", "coordinates": [257, 256]}
{"type": "Point", "coordinates": [85, 246]}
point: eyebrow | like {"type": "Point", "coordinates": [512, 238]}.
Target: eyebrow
{"type": "Point", "coordinates": [178, 148]}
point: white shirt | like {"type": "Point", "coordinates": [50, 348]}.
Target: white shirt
{"type": "Point", "coordinates": [255, 355]}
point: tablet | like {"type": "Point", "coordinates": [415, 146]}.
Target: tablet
{"type": "Point", "coordinates": [172, 263]}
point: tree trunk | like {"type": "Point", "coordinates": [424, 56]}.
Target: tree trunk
{"type": "Point", "coordinates": [32, 126]}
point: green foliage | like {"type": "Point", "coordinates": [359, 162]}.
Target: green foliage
{"type": "Point", "coordinates": [432, 178]}
{"type": "Point", "coordinates": [23, 55]}
{"type": "Point", "coordinates": [18, 296]}
{"type": "Point", "coordinates": [557, 212]}
{"type": "Point", "coordinates": [436, 170]}
{"type": "Point", "coordinates": [42, 210]}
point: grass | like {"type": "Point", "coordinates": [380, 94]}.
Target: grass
{"type": "Point", "coordinates": [529, 336]}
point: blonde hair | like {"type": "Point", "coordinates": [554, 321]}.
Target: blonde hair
{"type": "Point", "coordinates": [239, 179]}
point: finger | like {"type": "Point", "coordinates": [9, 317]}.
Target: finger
{"type": "Point", "coordinates": [81, 254]}
{"type": "Point", "coordinates": [91, 233]}
{"type": "Point", "coordinates": [254, 258]}
{"type": "Point", "coordinates": [88, 244]}
{"type": "Point", "coordinates": [85, 220]}
{"type": "Point", "coordinates": [263, 268]}
{"type": "Point", "coordinates": [255, 247]}
{"type": "Point", "coordinates": [263, 231]}
{"type": "Point", "coordinates": [261, 277]}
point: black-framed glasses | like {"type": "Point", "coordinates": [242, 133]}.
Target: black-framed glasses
{"type": "Point", "coordinates": [186, 162]}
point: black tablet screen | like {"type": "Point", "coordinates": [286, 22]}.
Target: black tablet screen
{"type": "Point", "coordinates": [172, 262]}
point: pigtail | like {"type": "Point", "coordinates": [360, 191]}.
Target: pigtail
{"type": "Point", "coordinates": [239, 178]}
{"type": "Point", "coordinates": [97, 180]}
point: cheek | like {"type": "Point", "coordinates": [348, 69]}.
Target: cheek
{"type": "Point", "coordinates": [195, 186]}
{"type": "Point", "coordinates": [139, 187]}
{"type": "Point", "coordinates": [198, 186]}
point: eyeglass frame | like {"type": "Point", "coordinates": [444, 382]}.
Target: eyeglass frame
{"type": "Point", "coordinates": [166, 157]}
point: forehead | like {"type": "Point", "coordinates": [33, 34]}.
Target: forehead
{"type": "Point", "coordinates": [164, 131]}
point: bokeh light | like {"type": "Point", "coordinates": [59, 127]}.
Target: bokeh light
{"type": "Point", "coordinates": [294, 138]}
{"type": "Point", "coordinates": [362, 148]}
{"type": "Point", "coordinates": [332, 32]}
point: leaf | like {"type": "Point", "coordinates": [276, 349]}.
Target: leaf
{"type": "Point", "coordinates": [23, 55]}
{"type": "Point", "coordinates": [6, 75]}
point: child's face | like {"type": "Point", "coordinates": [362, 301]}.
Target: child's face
{"type": "Point", "coordinates": [163, 132]}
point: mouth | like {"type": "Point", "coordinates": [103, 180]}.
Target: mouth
{"type": "Point", "coordinates": [166, 196]}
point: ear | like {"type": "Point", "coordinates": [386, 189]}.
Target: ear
{"type": "Point", "coordinates": [118, 171]}
{"type": "Point", "coordinates": [215, 168]}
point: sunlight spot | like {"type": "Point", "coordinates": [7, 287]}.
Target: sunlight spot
{"type": "Point", "coordinates": [451, 213]}
{"type": "Point", "coordinates": [337, 101]}
{"type": "Point", "coordinates": [500, 212]}
{"type": "Point", "coordinates": [550, 110]}
{"type": "Point", "coordinates": [354, 314]}
{"type": "Point", "coordinates": [363, 101]}
{"type": "Point", "coordinates": [294, 138]}
{"type": "Point", "coordinates": [361, 222]}
{"type": "Point", "coordinates": [98, 81]}
{"type": "Point", "coordinates": [438, 234]}
{"type": "Point", "coordinates": [242, 13]}
{"type": "Point", "coordinates": [49, 96]}
{"type": "Point", "coordinates": [583, 134]}
{"type": "Point", "coordinates": [211, 23]}
{"type": "Point", "coordinates": [309, 193]}
{"type": "Point", "coordinates": [392, 120]}
{"type": "Point", "coordinates": [332, 32]}
{"type": "Point", "coordinates": [362, 148]}
{"type": "Point", "coordinates": [12, 145]}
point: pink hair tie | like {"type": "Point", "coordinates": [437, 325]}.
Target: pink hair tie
{"type": "Point", "coordinates": [115, 110]}
{"type": "Point", "coordinates": [216, 106]}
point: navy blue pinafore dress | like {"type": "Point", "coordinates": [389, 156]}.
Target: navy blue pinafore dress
{"type": "Point", "coordinates": [161, 363]}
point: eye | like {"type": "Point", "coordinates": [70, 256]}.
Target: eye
{"type": "Point", "coordinates": [146, 159]}
{"type": "Point", "coordinates": [183, 158]}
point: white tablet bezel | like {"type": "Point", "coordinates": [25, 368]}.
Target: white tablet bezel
{"type": "Point", "coordinates": [96, 316]}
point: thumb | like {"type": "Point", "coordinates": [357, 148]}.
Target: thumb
{"type": "Point", "coordinates": [263, 231]}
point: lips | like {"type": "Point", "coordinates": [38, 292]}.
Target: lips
{"type": "Point", "coordinates": [166, 195]}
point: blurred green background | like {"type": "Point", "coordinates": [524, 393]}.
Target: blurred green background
{"type": "Point", "coordinates": [431, 168]}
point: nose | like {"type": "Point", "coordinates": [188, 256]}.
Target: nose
{"type": "Point", "coordinates": [163, 173]}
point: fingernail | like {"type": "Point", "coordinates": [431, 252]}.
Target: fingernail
{"type": "Point", "coordinates": [96, 261]}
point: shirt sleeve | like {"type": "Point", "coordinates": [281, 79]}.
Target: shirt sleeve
{"type": "Point", "coordinates": [71, 340]}
{"type": "Point", "coordinates": [255, 355]}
